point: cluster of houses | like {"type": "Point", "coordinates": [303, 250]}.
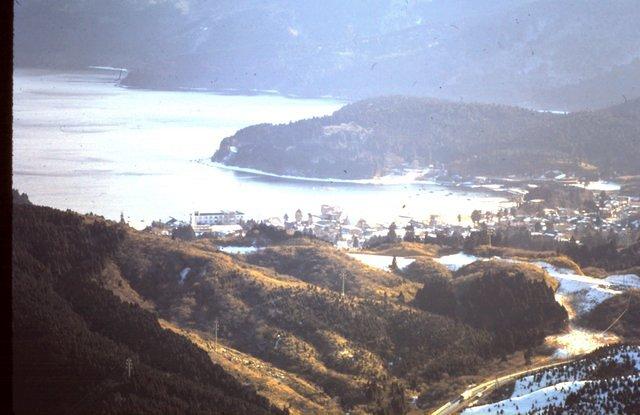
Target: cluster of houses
{"type": "Point", "coordinates": [330, 225]}
{"type": "Point", "coordinates": [616, 213]}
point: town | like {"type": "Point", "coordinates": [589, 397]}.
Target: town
{"type": "Point", "coordinates": [544, 213]}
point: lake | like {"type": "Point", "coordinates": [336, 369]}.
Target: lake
{"type": "Point", "coordinates": [82, 142]}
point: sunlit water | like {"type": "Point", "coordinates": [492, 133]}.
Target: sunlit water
{"type": "Point", "coordinates": [83, 143]}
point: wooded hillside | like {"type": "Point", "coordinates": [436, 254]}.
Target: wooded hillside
{"type": "Point", "coordinates": [375, 136]}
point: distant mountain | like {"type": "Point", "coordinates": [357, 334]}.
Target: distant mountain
{"type": "Point", "coordinates": [375, 136]}
{"type": "Point", "coordinates": [539, 53]}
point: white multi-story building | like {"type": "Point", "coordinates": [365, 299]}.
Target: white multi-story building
{"type": "Point", "coordinates": [222, 217]}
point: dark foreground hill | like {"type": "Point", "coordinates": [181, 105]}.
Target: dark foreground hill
{"type": "Point", "coordinates": [513, 301]}
{"type": "Point", "coordinates": [373, 137]}
{"type": "Point", "coordinates": [72, 337]}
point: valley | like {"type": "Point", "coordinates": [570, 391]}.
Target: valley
{"type": "Point", "coordinates": [276, 318]}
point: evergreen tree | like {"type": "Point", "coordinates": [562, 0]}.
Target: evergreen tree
{"type": "Point", "coordinates": [391, 234]}
{"type": "Point", "coordinates": [476, 216]}
{"type": "Point", "coordinates": [394, 265]}
{"type": "Point", "coordinates": [183, 232]}
{"type": "Point", "coordinates": [410, 234]}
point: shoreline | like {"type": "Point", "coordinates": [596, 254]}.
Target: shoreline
{"type": "Point", "coordinates": [149, 86]}
{"type": "Point", "coordinates": [388, 180]}
{"type": "Point", "coordinates": [411, 178]}
{"type": "Point", "coordinates": [499, 187]}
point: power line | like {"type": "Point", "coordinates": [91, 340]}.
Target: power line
{"type": "Point", "coordinates": [623, 311]}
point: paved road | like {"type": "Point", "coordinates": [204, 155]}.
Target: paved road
{"type": "Point", "coordinates": [475, 392]}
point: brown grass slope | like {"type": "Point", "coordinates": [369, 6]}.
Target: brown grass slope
{"type": "Point", "coordinates": [295, 327]}
{"type": "Point", "coordinates": [561, 261]}
{"type": "Point", "coordinates": [323, 265]}
{"type": "Point", "coordinates": [305, 329]}
{"type": "Point", "coordinates": [71, 336]}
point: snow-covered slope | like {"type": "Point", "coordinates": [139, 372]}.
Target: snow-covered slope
{"type": "Point", "coordinates": [456, 261]}
{"type": "Point", "coordinates": [583, 292]}
{"type": "Point", "coordinates": [577, 293]}
{"type": "Point", "coordinates": [606, 381]}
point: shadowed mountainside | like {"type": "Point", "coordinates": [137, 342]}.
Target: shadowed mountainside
{"type": "Point", "coordinates": [72, 337]}
{"type": "Point", "coordinates": [542, 53]}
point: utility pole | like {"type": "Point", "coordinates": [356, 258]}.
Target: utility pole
{"type": "Point", "coordinates": [129, 366]}
{"type": "Point", "coordinates": [343, 276]}
{"type": "Point", "coordinates": [215, 333]}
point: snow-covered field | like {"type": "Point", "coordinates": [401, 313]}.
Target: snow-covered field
{"type": "Point", "coordinates": [577, 341]}
{"type": "Point", "coordinates": [583, 293]}
{"type": "Point", "coordinates": [381, 261]}
{"type": "Point", "coordinates": [600, 186]}
{"type": "Point", "coordinates": [550, 387]}
{"type": "Point", "coordinates": [456, 261]}
{"type": "Point", "coordinates": [239, 249]}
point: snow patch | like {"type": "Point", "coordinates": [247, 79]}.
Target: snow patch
{"type": "Point", "coordinates": [582, 292]}
{"type": "Point", "coordinates": [456, 261]}
{"type": "Point", "coordinates": [381, 262]}
{"type": "Point", "coordinates": [349, 127]}
{"type": "Point", "coordinates": [183, 274]}
{"type": "Point", "coordinates": [578, 341]}
{"type": "Point", "coordinates": [238, 249]}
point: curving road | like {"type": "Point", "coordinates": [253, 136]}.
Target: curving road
{"type": "Point", "coordinates": [456, 405]}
